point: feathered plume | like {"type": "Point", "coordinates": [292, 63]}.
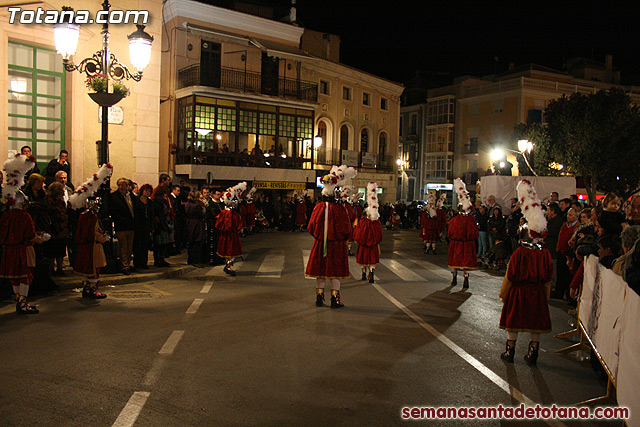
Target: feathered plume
{"type": "Point", "coordinates": [15, 168]}
{"type": "Point", "coordinates": [355, 197]}
{"type": "Point", "coordinates": [372, 202]}
{"type": "Point", "coordinates": [463, 194]}
{"type": "Point", "coordinates": [336, 175]}
{"type": "Point", "coordinates": [90, 186]}
{"type": "Point", "coordinates": [531, 208]}
{"type": "Point", "coordinates": [441, 200]}
{"type": "Point", "coordinates": [347, 192]}
{"type": "Point", "coordinates": [250, 193]}
{"type": "Point", "coordinates": [431, 204]}
{"type": "Point", "coordinates": [232, 193]}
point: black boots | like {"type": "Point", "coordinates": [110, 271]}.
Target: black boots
{"type": "Point", "coordinates": [532, 355]}
{"type": "Point", "coordinates": [364, 276]}
{"type": "Point", "coordinates": [465, 284]}
{"type": "Point", "coordinates": [23, 308]}
{"type": "Point", "coordinates": [510, 352]}
{"type": "Point", "coordinates": [371, 276]}
{"type": "Point", "coordinates": [227, 269]}
{"type": "Point", "coordinates": [91, 292]}
{"type": "Point", "coordinates": [454, 281]}
{"type": "Point", "coordinates": [319, 297]}
{"type": "Point", "coordinates": [335, 299]}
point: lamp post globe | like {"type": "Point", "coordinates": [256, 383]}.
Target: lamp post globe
{"type": "Point", "coordinates": [140, 48]}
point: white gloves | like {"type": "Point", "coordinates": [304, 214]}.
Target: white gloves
{"type": "Point", "coordinates": [46, 237]}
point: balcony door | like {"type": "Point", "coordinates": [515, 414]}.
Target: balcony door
{"type": "Point", "coordinates": [270, 71]}
{"type": "Point", "coordinates": [210, 55]}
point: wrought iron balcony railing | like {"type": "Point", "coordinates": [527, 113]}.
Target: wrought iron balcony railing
{"type": "Point", "coordinates": [249, 82]}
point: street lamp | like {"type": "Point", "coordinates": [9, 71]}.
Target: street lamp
{"type": "Point", "coordinates": [524, 146]}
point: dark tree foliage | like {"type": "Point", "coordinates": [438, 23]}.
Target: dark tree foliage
{"type": "Point", "coordinates": [596, 136]}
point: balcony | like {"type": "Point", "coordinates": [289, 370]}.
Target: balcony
{"type": "Point", "coordinates": [261, 160]}
{"type": "Point", "coordinates": [249, 82]}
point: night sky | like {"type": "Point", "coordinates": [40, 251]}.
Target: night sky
{"type": "Point", "coordinates": [448, 38]}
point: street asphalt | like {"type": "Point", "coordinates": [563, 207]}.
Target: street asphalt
{"type": "Point", "coordinates": [205, 349]}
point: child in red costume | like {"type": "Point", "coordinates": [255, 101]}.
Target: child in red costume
{"type": "Point", "coordinates": [330, 227]}
{"type": "Point", "coordinates": [526, 286]}
{"type": "Point", "coordinates": [429, 224]}
{"type": "Point", "coordinates": [229, 222]}
{"type": "Point", "coordinates": [463, 237]}
{"type": "Point", "coordinates": [368, 235]}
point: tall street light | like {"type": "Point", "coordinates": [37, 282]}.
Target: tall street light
{"type": "Point", "coordinates": [524, 147]}
{"type": "Point", "coordinates": [103, 63]}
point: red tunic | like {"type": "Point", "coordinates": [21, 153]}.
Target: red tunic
{"type": "Point", "coordinates": [441, 214]}
{"type": "Point", "coordinates": [243, 213]}
{"type": "Point", "coordinates": [428, 228]}
{"type": "Point", "coordinates": [335, 264]}
{"type": "Point", "coordinates": [16, 232]}
{"type": "Point", "coordinates": [85, 238]}
{"type": "Point", "coordinates": [229, 222]}
{"type": "Point", "coordinates": [352, 218]}
{"type": "Point", "coordinates": [250, 219]}
{"type": "Point", "coordinates": [368, 234]}
{"type": "Point", "coordinates": [525, 305]}
{"type": "Point", "coordinates": [301, 214]}
{"type": "Point", "coordinates": [463, 237]}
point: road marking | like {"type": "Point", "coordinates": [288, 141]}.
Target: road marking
{"type": "Point", "coordinates": [431, 267]}
{"type": "Point", "coordinates": [206, 287]}
{"type": "Point", "coordinates": [354, 268]}
{"type": "Point", "coordinates": [237, 265]}
{"type": "Point", "coordinates": [171, 342]}
{"type": "Point", "coordinates": [194, 306]}
{"type": "Point", "coordinates": [153, 288]}
{"type": "Point", "coordinates": [493, 377]}
{"type": "Point", "coordinates": [154, 373]}
{"type": "Point", "coordinates": [271, 266]}
{"type": "Point", "coordinates": [305, 259]}
{"type": "Point", "coordinates": [401, 271]}
{"type": "Point", "coordinates": [132, 409]}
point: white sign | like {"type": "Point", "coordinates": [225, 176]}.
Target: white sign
{"type": "Point", "coordinates": [368, 160]}
{"type": "Point", "coordinates": [116, 115]}
{"type": "Point", "coordinates": [439, 186]}
{"type": "Point", "coordinates": [350, 158]}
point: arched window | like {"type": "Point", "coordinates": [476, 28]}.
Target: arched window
{"type": "Point", "coordinates": [364, 141]}
{"type": "Point", "coordinates": [344, 137]}
{"type": "Point", "coordinates": [382, 146]}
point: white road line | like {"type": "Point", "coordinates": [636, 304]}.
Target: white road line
{"type": "Point", "coordinates": [154, 373]}
{"type": "Point", "coordinates": [206, 287]}
{"type": "Point", "coordinates": [271, 266]}
{"type": "Point", "coordinates": [493, 377]}
{"type": "Point", "coordinates": [401, 271]}
{"type": "Point", "coordinates": [171, 342]}
{"type": "Point", "coordinates": [354, 268]}
{"type": "Point", "coordinates": [194, 306]}
{"type": "Point", "coordinates": [132, 409]}
{"type": "Point", "coordinates": [431, 267]}
{"type": "Point", "coordinates": [305, 259]}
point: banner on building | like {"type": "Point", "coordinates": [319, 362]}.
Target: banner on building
{"type": "Point", "coordinates": [368, 160]}
{"type": "Point", "coordinates": [350, 158]}
{"type": "Point", "coordinates": [279, 185]}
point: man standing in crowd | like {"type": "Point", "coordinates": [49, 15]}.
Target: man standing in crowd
{"type": "Point", "coordinates": [563, 275]}
{"type": "Point", "coordinates": [554, 224]}
{"type": "Point", "coordinates": [26, 151]}
{"type": "Point", "coordinates": [61, 177]}
{"type": "Point", "coordinates": [59, 164]}
{"type": "Point", "coordinates": [554, 197]}
{"type": "Point", "coordinates": [179, 232]}
{"type": "Point", "coordinates": [123, 221]}
{"type": "Point", "coordinates": [213, 234]}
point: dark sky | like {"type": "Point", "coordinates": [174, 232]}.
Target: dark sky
{"type": "Point", "coordinates": [393, 39]}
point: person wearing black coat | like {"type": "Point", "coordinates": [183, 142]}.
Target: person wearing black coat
{"type": "Point", "coordinates": [195, 229]}
{"type": "Point", "coordinates": [59, 164]}
{"type": "Point", "coordinates": [122, 213]}
{"type": "Point", "coordinates": [144, 219]}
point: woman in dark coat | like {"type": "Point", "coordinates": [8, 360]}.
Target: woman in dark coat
{"type": "Point", "coordinates": [195, 227]}
{"type": "Point", "coordinates": [34, 189]}
{"type": "Point", "coordinates": [163, 226]}
{"type": "Point", "coordinates": [144, 218]}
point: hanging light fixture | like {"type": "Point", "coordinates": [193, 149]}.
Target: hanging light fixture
{"type": "Point", "coordinates": [140, 48]}
{"type": "Point", "coordinates": [66, 34]}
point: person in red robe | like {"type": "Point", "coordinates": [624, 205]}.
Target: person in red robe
{"type": "Point", "coordinates": [18, 233]}
{"type": "Point", "coordinates": [441, 215]}
{"type": "Point", "coordinates": [345, 194]}
{"type": "Point", "coordinates": [301, 212]}
{"type": "Point", "coordinates": [429, 225]}
{"type": "Point", "coordinates": [243, 216]}
{"type": "Point", "coordinates": [527, 283]}
{"type": "Point", "coordinates": [463, 236]}
{"type": "Point", "coordinates": [229, 222]}
{"type": "Point", "coordinates": [331, 228]}
{"type": "Point", "coordinates": [90, 257]}
{"type": "Point", "coordinates": [368, 235]}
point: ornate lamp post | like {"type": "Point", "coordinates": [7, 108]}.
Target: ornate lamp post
{"type": "Point", "coordinates": [104, 63]}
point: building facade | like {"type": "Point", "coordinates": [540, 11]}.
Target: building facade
{"type": "Point", "coordinates": [250, 98]}
{"type": "Point", "coordinates": [48, 108]}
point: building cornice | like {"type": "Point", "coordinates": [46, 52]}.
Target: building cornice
{"type": "Point", "coordinates": [243, 97]}
{"type": "Point", "coordinates": [232, 19]}
{"type": "Point", "coordinates": [354, 76]}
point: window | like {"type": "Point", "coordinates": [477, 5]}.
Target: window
{"type": "Point", "coordinates": [401, 123]}
{"type": "Point", "coordinates": [364, 141]}
{"type": "Point", "coordinates": [324, 87]}
{"type": "Point", "coordinates": [346, 93]}
{"type": "Point", "coordinates": [472, 146]}
{"type": "Point", "coordinates": [441, 111]}
{"type": "Point", "coordinates": [438, 166]}
{"type": "Point", "coordinates": [382, 145]}
{"type": "Point", "coordinates": [498, 106]}
{"type": "Point", "coordinates": [366, 98]}
{"type": "Point", "coordinates": [344, 137]}
{"type": "Point", "coordinates": [414, 125]}
{"type": "Point", "coordinates": [36, 100]}
{"type": "Point", "coordinates": [384, 104]}
{"type": "Point", "coordinates": [439, 138]}
{"type": "Point", "coordinates": [474, 110]}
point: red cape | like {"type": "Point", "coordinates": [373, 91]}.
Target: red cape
{"type": "Point", "coordinates": [463, 238]}
{"type": "Point", "coordinates": [229, 222]}
{"type": "Point", "coordinates": [368, 235]}
{"type": "Point", "coordinates": [335, 264]}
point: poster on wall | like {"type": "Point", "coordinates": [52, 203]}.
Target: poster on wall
{"type": "Point", "coordinates": [368, 160]}
{"type": "Point", "coordinates": [350, 158]}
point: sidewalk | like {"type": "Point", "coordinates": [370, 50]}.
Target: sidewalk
{"type": "Point", "coordinates": [178, 268]}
